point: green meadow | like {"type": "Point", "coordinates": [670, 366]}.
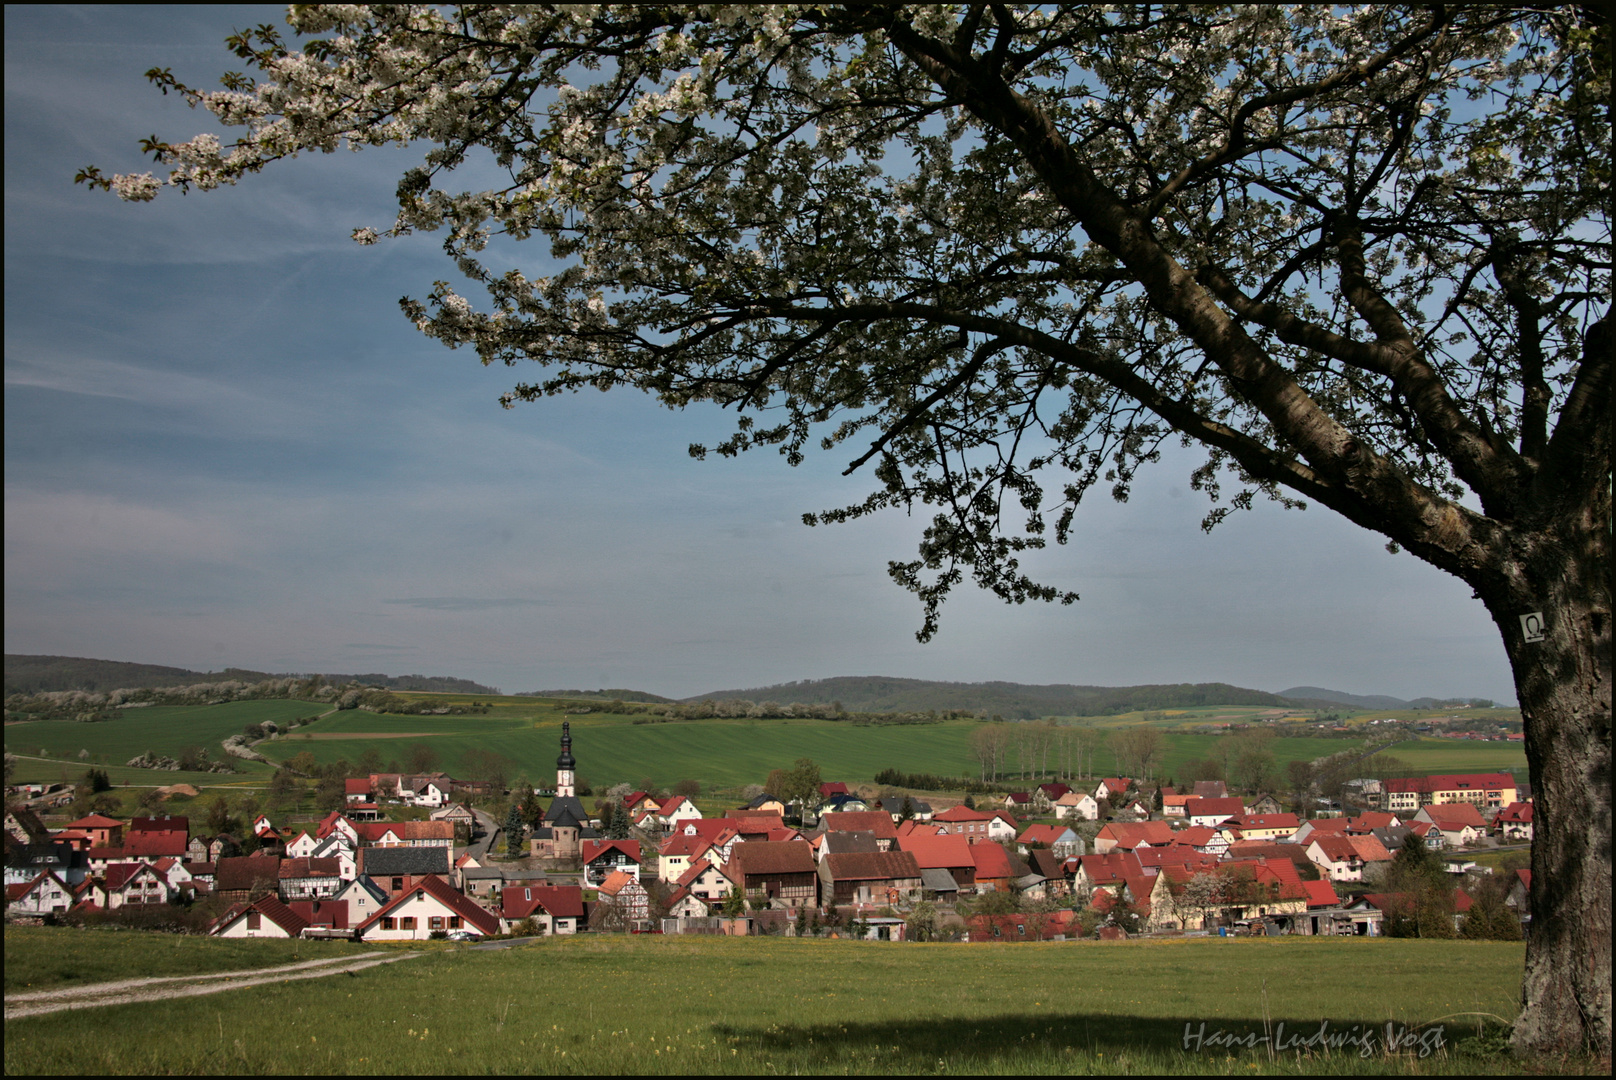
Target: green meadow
{"type": "Point", "coordinates": [162, 729]}
{"type": "Point", "coordinates": [602, 1005]}
{"type": "Point", "coordinates": [49, 958]}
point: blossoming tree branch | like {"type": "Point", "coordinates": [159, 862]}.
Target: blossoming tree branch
{"type": "Point", "coordinates": [997, 255]}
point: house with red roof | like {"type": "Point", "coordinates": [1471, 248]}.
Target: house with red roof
{"type": "Point", "coordinates": [432, 905]}
{"type": "Point", "coordinates": [1018, 801]}
{"type": "Point", "coordinates": [601, 857]}
{"type": "Point", "coordinates": [1117, 873]}
{"type": "Point", "coordinates": [1515, 821]}
{"type": "Point", "coordinates": [1213, 812]}
{"type": "Point", "coordinates": [878, 822]}
{"type": "Point", "coordinates": [622, 890]}
{"type": "Point", "coordinates": [1060, 840]}
{"type": "Point", "coordinates": [1202, 838]}
{"type": "Point", "coordinates": [266, 917]}
{"type": "Point", "coordinates": [136, 883]}
{"type": "Point", "coordinates": [1461, 823]}
{"type": "Point", "coordinates": [46, 894]}
{"type": "Point", "coordinates": [556, 909]}
{"type": "Point", "coordinates": [1405, 795]}
{"type": "Point", "coordinates": [1320, 894]}
{"type": "Point", "coordinates": [675, 808]}
{"type": "Point", "coordinates": [1173, 806]}
{"type": "Point", "coordinates": [707, 881]}
{"type": "Point", "coordinates": [1045, 796]}
{"type": "Point", "coordinates": [104, 831]}
{"type": "Point", "coordinates": [1131, 834]}
{"type": "Point", "coordinates": [827, 789]}
{"type": "Point", "coordinates": [1112, 789]}
{"type": "Point", "coordinates": [1235, 890]}
{"type": "Point", "coordinates": [962, 821]}
{"type": "Point", "coordinates": [996, 868]}
{"type": "Point", "coordinates": [357, 791]}
{"type": "Point", "coordinates": [680, 852]}
{"type": "Point", "coordinates": [1267, 826]}
{"type": "Point", "coordinates": [950, 853]}
{"type": "Point", "coordinates": [1077, 806]}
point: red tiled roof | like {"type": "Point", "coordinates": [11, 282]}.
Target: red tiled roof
{"type": "Point", "coordinates": [356, 787]}
{"type": "Point", "coordinates": [271, 908]}
{"type": "Point", "coordinates": [1369, 848]}
{"type": "Point", "coordinates": [938, 852]}
{"type": "Point", "coordinates": [1516, 812]}
{"type": "Point", "coordinates": [1131, 834]}
{"type": "Point", "coordinates": [1268, 821]}
{"type": "Point", "coordinates": [1454, 815]}
{"type": "Point", "coordinates": [992, 862]}
{"type": "Point", "coordinates": [321, 913]}
{"type": "Point", "coordinates": [680, 844]}
{"type": "Point", "coordinates": [594, 849]}
{"type": "Point", "coordinates": [1320, 894]}
{"type": "Point", "coordinates": [95, 821]}
{"type": "Point", "coordinates": [560, 901]}
{"type": "Point", "coordinates": [1424, 785]}
{"type": "Point", "coordinates": [960, 813]}
{"type": "Point", "coordinates": [1370, 820]}
{"type": "Point", "coordinates": [617, 881]}
{"type": "Point", "coordinates": [1042, 834]}
{"type": "Point", "coordinates": [1388, 901]}
{"type": "Point", "coordinates": [1222, 808]}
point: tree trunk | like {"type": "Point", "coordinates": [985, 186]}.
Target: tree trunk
{"type": "Point", "coordinates": [1563, 682]}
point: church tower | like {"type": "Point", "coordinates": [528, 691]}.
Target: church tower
{"type": "Point", "coordinates": [566, 766]}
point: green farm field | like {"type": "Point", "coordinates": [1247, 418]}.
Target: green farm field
{"type": "Point", "coordinates": [1428, 756]}
{"type": "Point", "coordinates": [774, 1006]}
{"type": "Point", "coordinates": [161, 729]}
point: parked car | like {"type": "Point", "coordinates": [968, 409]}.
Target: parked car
{"type": "Point", "coordinates": [461, 935]}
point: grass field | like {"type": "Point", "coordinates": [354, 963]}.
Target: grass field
{"type": "Point", "coordinates": [774, 1006]}
{"type": "Point", "coordinates": [161, 729]}
{"type": "Point", "coordinates": [1458, 755]}
{"type": "Point", "coordinates": [47, 958]}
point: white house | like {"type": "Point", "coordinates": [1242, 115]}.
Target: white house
{"type": "Point", "coordinates": [47, 894]}
{"type": "Point", "coordinates": [675, 808]}
{"type": "Point", "coordinates": [1077, 806]}
{"type": "Point", "coordinates": [430, 906]}
{"type": "Point", "coordinates": [266, 917]}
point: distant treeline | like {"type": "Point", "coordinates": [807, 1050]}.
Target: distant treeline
{"type": "Point", "coordinates": [1014, 701]}
{"type": "Point", "coordinates": [928, 782]}
{"type": "Point", "coordinates": [46, 674]}
{"type": "Point", "coordinates": [93, 706]}
{"type": "Point", "coordinates": [743, 709]}
{"type": "Point", "coordinates": [598, 695]}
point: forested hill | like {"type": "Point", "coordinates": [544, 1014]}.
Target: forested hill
{"type": "Point", "coordinates": [39, 674]}
{"type": "Point", "coordinates": [1014, 700]}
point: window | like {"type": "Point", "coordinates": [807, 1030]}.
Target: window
{"type": "Point", "coordinates": [454, 922]}
{"type": "Point", "coordinates": [434, 922]}
{"type": "Point", "coordinates": [255, 920]}
{"type": "Point", "coordinates": [398, 884]}
{"type": "Point", "coordinates": [389, 923]}
{"type": "Point", "coordinates": [407, 923]}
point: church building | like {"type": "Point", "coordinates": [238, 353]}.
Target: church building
{"type": "Point", "coordinates": [566, 823]}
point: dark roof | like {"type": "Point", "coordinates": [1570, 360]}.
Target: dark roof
{"type": "Point", "coordinates": [877, 821]}
{"type": "Point", "coordinates": [872, 866]}
{"type": "Point", "coordinates": [893, 804]}
{"type": "Point", "coordinates": [566, 804]}
{"type": "Point", "coordinates": [787, 857]}
{"type": "Point", "coordinates": [245, 873]}
{"type": "Point", "coordinates": [938, 880]}
{"type": "Point", "coordinates": [848, 843]}
{"type": "Point", "coordinates": [390, 861]}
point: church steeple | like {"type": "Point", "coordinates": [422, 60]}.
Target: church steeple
{"type": "Point", "coordinates": [566, 765]}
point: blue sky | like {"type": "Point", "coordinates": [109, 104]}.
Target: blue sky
{"type": "Point", "coordinates": [226, 446]}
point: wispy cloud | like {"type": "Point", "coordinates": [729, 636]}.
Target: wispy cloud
{"type": "Point", "coordinates": [380, 648]}
{"type": "Point", "coordinates": [464, 603]}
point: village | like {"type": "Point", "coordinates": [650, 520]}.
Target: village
{"type": "Point", "coordinates": [1121, 860]}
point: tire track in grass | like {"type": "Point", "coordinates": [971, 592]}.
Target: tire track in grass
{"type": "Point", "coordinates": [163, 988]}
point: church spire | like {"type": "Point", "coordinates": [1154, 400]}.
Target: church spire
{"type": "Point", "coordinates": [566, 764]}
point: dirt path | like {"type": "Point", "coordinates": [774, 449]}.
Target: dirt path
{"type": "Point", "coordinates": [162, 988]}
